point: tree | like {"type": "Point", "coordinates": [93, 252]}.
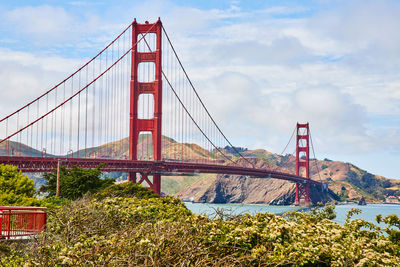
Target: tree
{"type": "Point", "coordinates": [15, 188]}
{"type": "Point", "coordinates": [75, 182]}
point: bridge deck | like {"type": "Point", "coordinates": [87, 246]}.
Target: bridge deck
{"type": "Point", "coordinates": [48, 164]}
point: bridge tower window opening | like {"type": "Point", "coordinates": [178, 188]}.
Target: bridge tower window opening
{"type": "Point", "coordinates": [145, 146]}
{"type": "Point", "coordinates": [146, 106]}
{"type": "Point", "coordinates": [148, 42]}
{"type": "Point", "coordinates": [302, 156]}
{"type": "Point", "coordinates": [302, 131]}
{"type": "Point", "coordinates": [146, 72]}
{"type": "Point", "coordinates": [303, 142]}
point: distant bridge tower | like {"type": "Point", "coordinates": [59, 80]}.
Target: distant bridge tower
{"type": "Point", "coordinates": [152, 125]}
{"type": "Point", "coordinates": [302, 161]}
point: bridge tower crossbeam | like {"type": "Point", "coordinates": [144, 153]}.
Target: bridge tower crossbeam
{"type": "Point", "coordinates": [152, 125]}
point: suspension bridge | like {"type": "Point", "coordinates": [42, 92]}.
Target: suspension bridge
{"type": "Point", "coordinates": [134, 94]}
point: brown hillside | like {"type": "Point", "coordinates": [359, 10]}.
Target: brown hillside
{"type": "Point", "coordinates": [18, 149]}
{"type": "Point", "coordinates": [345, 179]}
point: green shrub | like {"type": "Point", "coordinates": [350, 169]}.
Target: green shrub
{"type": "Point", "coordinates": [126, 190]}
{"type": "Point", "coordinates": [75, 182]}
{"type": "Point", "coordinates": [12, 181]}
{"type": "Point", "coordinates": [12, 199]}
{"type": "Point", "coordinates": [56, 202]}
{"type": "Point", "coordinates": [16, 189]}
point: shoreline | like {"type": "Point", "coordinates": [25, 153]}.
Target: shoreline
{"type": "Point", "coordinates": [262, 204]}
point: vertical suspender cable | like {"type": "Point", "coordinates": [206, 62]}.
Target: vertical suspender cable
{"type": "Point", "coordinates": [70, 118]}
{"type": "Point", "coordinates": [105, 109]}
{"type": "Point", "coordinates": [315, 157]}
{"type": "Point", "coordinates": [79, 115]}
{"type": "Point", "coordinates": [29, 152]}
{"type": "Point", "coordinates": [37, 127]}
{"type": "Point", "coordinates": [86, 107]}
{"type": "Point", "coordinates": [62, 123]}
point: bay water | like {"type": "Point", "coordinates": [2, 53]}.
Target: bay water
{"type": "Point", "coordinates": [368, 212]}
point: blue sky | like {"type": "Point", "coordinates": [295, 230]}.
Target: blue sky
{"type": "Point", "coordinates": [335, 64]}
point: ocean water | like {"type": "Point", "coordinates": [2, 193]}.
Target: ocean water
{"type": "Point", "coordinates": [368, 212]}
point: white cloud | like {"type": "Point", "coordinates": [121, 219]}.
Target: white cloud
{"type": "Point", "coordinates": [259, 75]}
{"type": "Point", "coordinates": [24, 76]}
{"type": "Point", "coordinates": [43, 22]}
{"type": "Point", "coordinates": [304, 72]}
{"type": "Point", "coordinates": [368, 29]}
{"type": "Point", "coordinates": [47, 25]}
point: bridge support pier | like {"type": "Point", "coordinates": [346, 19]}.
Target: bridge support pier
{"type": "Point", "coordinates": [154, 185]}
{"type": "Point", "coordinates": [302, 192]}
{"type": "Point", "coordinates": [132, 177]}
{"type": "Point", "coordinates": [302, 161]}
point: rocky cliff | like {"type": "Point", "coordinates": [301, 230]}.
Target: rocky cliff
{"type": "Point", "coordinates": [244, 189]}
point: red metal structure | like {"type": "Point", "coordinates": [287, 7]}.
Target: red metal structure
{"type": "Point", "coordinates": [303, 162]}
{"type": "Point", "coordinates": [154, 87]}
{"type": "Point", "coordinates": [134, 93]}
{"type": "Point", "coordinates": [38, 164]}
{"type": "Point", "coordinates": [21, 221]}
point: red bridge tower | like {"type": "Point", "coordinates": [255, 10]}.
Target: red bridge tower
{"type": "Point", "coordinates": [152, 125]}
{"type": "Point", "coordinates": [302, 161]}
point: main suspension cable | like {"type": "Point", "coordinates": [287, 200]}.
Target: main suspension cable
{"type": "Point", "coordinates": [66, 79]}
{"type": "Point", "coordinates": [187, 111]}
{"type": "Point", "coordinates": [290, 139]}
{"type": "Point", "coordinates": [76, 93]}
{"type": "Point", "coordinates": [194, 89]}
{"type": "Point", "coordinates": [315, 157]}
{"type": "Point", "coordinates": [283, 164]}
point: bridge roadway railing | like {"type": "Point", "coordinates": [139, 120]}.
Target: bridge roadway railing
{"type": "Point", "coordinates": [48, 164]}
{"type": "Point", "coordinates": [19, 222]}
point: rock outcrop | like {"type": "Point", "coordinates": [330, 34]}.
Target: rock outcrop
{"type": "Point", "coordinates": [244, 189]}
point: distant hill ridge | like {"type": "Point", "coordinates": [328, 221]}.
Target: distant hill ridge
{"type": "Point", "coordinates": [347, 181]}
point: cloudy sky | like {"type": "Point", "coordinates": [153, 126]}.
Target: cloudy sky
{"type": "Point", "coordinates": [260, 66]}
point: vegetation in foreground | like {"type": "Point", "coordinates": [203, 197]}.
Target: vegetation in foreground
{"type": "Point", "coordinates": [17, 189]}
{"type": "Point", "coordinates": [75, 182]}
{"type": "Point", "coordinates": [127, 225]}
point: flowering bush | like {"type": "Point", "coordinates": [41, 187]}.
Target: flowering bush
{"type": "Point", "coordinates": [129, 231]}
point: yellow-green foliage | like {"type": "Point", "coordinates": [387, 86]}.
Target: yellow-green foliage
{"type": "Point", "coordinates": [16, 189]}
{"type": "Point", "coordinates": [130, 231]}
{"type": "Point", "coordinates": [125, 190]}
{"type": "Point", "coordinates": [12, 181]}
